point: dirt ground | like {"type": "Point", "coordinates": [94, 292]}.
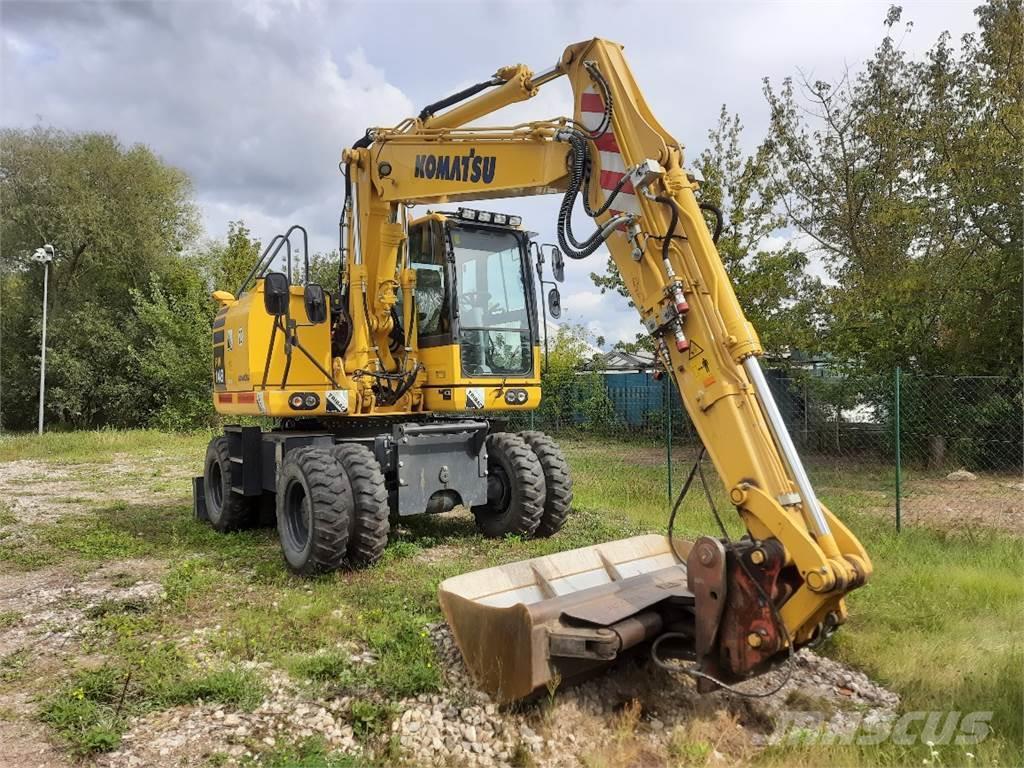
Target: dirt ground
{"type": "Point", "coordinates": [639, 715]}
{"type": "Point", "coordinates": [989, 501]}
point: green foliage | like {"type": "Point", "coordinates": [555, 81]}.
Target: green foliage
{"type": "Point", "coordinates": [771, 282]}
{"type": "Point", "coordinates": [174, 350]}
{"type": "Point", "coordinates": [323, 269]}
{"type": "Point", "coordinates": [908, 178]}
{"type": "Point", "coordinates": [118, 217]}
{"type": "Point", "coordinates": [331, 667]}
{"type": "Point", "coordinates": [129, 338]}
{"type": "Point", "coordinates": [571, 392]}
{"type": "Point", "coordinates": [91, 711]}
{"type": "Point", "coordinates": [231, 262]}
{"type": "Point", "coordinates": [308, 753]}
{"type": "Point", "coordinates": [369, 718]}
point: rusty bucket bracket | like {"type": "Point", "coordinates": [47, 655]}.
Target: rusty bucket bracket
{"type": "Point", "coordinates": [706, 571]}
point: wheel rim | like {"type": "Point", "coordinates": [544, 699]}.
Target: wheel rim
{"type": "Point", "coordinates": [296, 516]}
{"type": "Point", "coordinates": [499, 490]}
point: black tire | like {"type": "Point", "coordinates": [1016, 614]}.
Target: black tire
{"type": "Point", "coordinates": [314, 508]}
{"type": "Point", "coordinates": [369, 525]}
{"type": "Point", "coordinates": [225, 509]}
{"type": "Point", "coordinates": [557, 482]}
{"type": "Point", "coordinates": [515, 488]}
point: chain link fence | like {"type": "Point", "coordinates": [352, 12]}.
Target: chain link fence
{"type": "Point", "coordinates": [945, 450]}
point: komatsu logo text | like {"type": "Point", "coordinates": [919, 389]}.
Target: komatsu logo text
{"type": "Point", "coordinates": [471, 167]}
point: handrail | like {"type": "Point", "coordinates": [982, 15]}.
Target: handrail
{"type": "Point", "coordinates": [268, 256]}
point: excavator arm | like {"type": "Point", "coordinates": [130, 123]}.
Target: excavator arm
{"type": "Point", "coordinates": [744, 604]}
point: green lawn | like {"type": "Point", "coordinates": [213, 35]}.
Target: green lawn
{"type": "Point", "coordinates": [939, 623]}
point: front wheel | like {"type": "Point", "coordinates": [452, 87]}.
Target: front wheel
{"type": "Point", "coordinates": [369, 524]}
{"type": "Point", "coordinates": [314, 509]}
{"type": "Point", "coordinates": [515, 488]}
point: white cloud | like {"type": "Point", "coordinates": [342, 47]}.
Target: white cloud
{"type": "Point", "coordinates": [256, 99]}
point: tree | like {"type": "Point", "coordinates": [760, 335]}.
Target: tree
{"type": "Point", "coordinates": [114, 214]}
{"type": "Point", "coordinates": [231, 262]}
{"type": "Point", "coordinates": [771, 282]}
{"type": "Point", "coordinates": [117, 216]}
{"type": "Point", "coordinates": [907, 176]}
{"type": "Point", "coordinates": [572, 393]}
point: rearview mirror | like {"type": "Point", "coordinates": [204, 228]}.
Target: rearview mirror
{"type": "Point", "coordinates": [316, 303]}
{"type": "Point", "coordinates": [557, 264]}
{"type": "Point", "coordinates": [554, 303]}
{"type": "Point", "coordinates": [275, 293]}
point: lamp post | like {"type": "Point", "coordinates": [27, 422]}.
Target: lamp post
{"type": "Point", "coordinates": [45, 255]}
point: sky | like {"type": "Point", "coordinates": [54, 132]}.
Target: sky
{"type": "Point", "coordinates": [255, 99]}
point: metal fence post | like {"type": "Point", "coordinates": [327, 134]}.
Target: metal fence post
{"type": "Point", "coordinates": [668, 434]}
{"type": "Point", "coordinates": [899, 468]}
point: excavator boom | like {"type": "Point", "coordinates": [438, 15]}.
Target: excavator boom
{"type": "Point", "coordinates": [740, 606]}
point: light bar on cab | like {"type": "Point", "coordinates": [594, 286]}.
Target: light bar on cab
{"type": "Point", "coordinates": [487, 217]}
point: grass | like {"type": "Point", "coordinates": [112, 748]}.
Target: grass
{"type": "Point", "coordinates": [90, 711]}
{"type": "Point", "coordinates": [939, 623]}
{"type": "Point", "coordinates": [308, 753]}
{"type": "Point", "coordinates": [97, 446]}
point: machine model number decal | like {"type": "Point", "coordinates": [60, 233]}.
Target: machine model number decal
{"type": "Point", "coordinates": [474, 397]}
{"type": "Point", "coordinates": [472, 167]}
{"type": "Point", "coordinates": [337, 401]}
{"type": "Point", "coordinates": [218, 367]}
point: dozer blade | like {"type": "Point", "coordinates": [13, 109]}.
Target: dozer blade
{"type": "Point", "coordinates": [523, 625]}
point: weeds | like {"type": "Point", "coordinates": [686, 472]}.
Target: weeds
{"type": "Point", "coordinates": [308, 753]}
{"type": "Point", "coordinates": [370, 718]}
{"type": "Point", "coordinates": [90, 711]}
{"type": "Point", "coordinates": [14, 665]}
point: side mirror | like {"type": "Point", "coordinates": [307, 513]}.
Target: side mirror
{"type": "Point", "coordinates": [316, 303]}
{"type": "Point", "coordinates": [557, 264]}
{"type": "Point", "coordinates": [554, 303]}
{"type": "Point", "coordinates": [275, 293]}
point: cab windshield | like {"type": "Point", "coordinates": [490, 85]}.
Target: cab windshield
{"type": "Point", "coordinates": [494, 318]}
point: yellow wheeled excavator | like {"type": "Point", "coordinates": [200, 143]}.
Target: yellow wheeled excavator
{"type": "Point", "coordinates": [389, 391]}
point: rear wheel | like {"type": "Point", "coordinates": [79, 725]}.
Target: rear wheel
{"type": "Point", "coordinates": [225, 509]}
{"type": "Point", "coordinates": [557, 482]}
{"type": "Point", "coordinates": [515, 488]}
{"type": "Point", "coordinates": [369, 524]}
{"type": "Point", "coordinates": [314, 509]}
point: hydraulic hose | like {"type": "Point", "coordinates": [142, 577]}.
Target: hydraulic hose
{"type": "Point", "coordinates": [719, 220]}
{"type": "Point", "coordinates": [429, 110]}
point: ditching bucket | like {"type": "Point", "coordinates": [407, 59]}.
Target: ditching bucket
{"type": "Point", "coordinates": [523, 625]}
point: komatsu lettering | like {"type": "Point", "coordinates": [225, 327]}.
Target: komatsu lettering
{"type": "Point", "coordinates": [471, 167]}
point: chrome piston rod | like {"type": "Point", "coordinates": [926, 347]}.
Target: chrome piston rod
{"type": "Point", "coordinates": [785, 444]}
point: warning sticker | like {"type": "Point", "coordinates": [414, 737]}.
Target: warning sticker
{"type": "Point", "coordinates": [698, 361]}
{"type": "Point", "coordinates": [337, 401]}
{"type": "Point", "coordinates": [474, 397]}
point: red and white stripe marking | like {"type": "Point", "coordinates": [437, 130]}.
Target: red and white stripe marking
{"type": "Point", "coordinates": [613, 167]}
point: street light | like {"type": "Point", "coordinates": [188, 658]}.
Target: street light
{"type": "Point", "coordinates": [45, 255]}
